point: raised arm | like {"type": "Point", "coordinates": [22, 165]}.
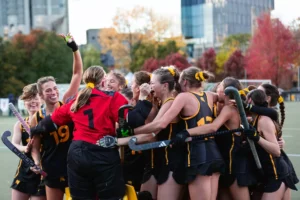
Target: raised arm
{"type": "Point", "coordinates": [77, 69]}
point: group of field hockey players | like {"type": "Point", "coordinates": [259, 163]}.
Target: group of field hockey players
{"type": "Point", "coordinates": [82, 146]}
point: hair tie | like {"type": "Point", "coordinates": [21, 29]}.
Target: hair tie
{"type": "Point", "coordinates": [242, 92]}
{"type": "Point", "coordinates": [150, 75]}
{"type": "Point", "coordinates": [171, 70]}
{"type": "Point", "coordinates": [246, 90]}
{"type": "Point", "coordinates": [90, 85]}
{"type": "Point", "coordinates": [126, 82]}
{"type": "Point", "coordinates": [200, 76]}
{"type": "Point", "coordinates": [280, 99]}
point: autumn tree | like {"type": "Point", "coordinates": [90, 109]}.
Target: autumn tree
{"type": "Point", "coordinates": [272, 51]}
{"type": "Point", "coordinates": [235, 66]}
{"type": "Point", "coordinates": [131, 27]}
{"type": "Point", "coordinates": [208, 61]}
{"type": "Point", "coordinates": [222, 57]}
{"type": "Point", "coordinates": [175, 59]}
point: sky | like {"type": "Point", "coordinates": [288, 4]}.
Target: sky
{"type": "Point", "coordinates": [95, 14]}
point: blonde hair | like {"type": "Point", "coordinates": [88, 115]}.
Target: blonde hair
{"type": "Point", "coordinates": [94, 75]}
{"type": "Point", "coordinates": [195, 76]}
{"type": "Point", "coordinates": [120, 78]}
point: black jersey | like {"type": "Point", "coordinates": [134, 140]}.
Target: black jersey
{"type": "Point", "coordinates": [203, 156]}
{"type": "Point", "coordinates": [229, 145]}
{"type": "Point", "coordinates": [55, 145]}
{"type": "Point", "coordinates": [203, 115]}
{"type": "Point", "coordinates": [168, 155]}
{"type": "Point", "coordinates": [273, 167]}
{"type": "Point", "coordinates": [23, 172]}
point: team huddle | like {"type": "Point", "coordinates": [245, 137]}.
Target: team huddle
{"type": "Point", "coordinates": [82, 142]}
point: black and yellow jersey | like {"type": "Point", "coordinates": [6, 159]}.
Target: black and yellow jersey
{"type": "Point", "coordinates": [273, 167]}
{"type": "Point", "coordinates": [23, 172]}
{"type": "Point", "coordinates": [55, 145]}
{"type": "Point", "coordinates": [229, 145]}
{"type": "Point", "coordinates": [202, 157]}
{"type": "Point", "coordinates": [203, 114]}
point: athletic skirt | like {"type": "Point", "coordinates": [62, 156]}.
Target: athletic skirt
{"type": "Point", "coordinates": [203, 158]}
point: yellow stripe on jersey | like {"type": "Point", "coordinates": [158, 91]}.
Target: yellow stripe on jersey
{"type": "Point", "coordinates": [166, 148]}
{"type": "Point", "coordinates": [187, 118]}
{"type": "Point", "coordinates": [18, 170]}
{"type": "Point", "coordinates": [274, 167]}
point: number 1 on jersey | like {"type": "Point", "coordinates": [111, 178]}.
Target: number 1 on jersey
{"type": "Point", "coordinates": [89, 113]}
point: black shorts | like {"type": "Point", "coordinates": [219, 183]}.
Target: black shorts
{"type": "Point", "coordinates": [94, 171]}
{"type": "Point", "coordinates": [32, 187]}
{"type": "Point", "coordinates": [57, 183]}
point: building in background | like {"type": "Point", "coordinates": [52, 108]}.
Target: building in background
{"type": "Point", "coordinates": [206, 23]}
{"type": "Point", "coordinates": [24, 15]}
{"type": "Point", "coordinates": [92, 38]}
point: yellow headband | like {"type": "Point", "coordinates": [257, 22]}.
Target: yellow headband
{"type": "Point", "coordinates": [126, 82]}
{"type": "Point", "coordinates": [150, 75]}
{"type": "Point", "coordinates": [90, 85]}
{"type": "Point", "coordinates": [242, 92]}
{"type": "Point", "coordinates": [280, 99]}
{"type": "Point", "coordinates": [200, 76]}
{"type": "Point", "coordinates": [171, 70]}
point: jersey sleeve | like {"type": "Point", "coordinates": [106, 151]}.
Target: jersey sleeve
{"type": "Point", "coordinates": [269, 112]}
{"type": "Point", "coordinates": [117, 101]}
{"type": "Point", "coordinates": [139, 114]}
{"type": "Point", "coordinates": [62, 115]}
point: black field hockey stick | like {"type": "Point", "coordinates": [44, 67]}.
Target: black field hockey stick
{"type": "Point", "coordinates": [18, 115]}
{"type": "Point", "coordinates": [22, 156]}
{"type": "Point", "coordinates": [164, 143]}
{"type": "Point", "coordinates": [122, 126]}
{"type": "Point", "coordinates": [238, 100]}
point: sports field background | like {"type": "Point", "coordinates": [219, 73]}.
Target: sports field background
{"type": "Point", "coordinates": [291, 134]}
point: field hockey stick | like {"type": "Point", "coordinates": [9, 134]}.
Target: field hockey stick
{"type": "Point", "coordinates": [122, 122]}
{"type": "Point", "coordinates": [18, 115]}
{"type": "Point", "coordinates": [22, 156]}
{"type": "Point", "coordinates": [122, 119]}
{"type": "Point", "coordinates": [164, 143]}
{"type": "Point", "coordinates": [238, 100]}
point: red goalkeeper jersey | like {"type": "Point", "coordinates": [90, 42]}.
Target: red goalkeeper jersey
{"type": "Point", "coordinates": [95, 119]}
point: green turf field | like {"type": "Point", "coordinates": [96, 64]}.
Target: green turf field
{"type": "Point", "coordinates": [8, 163]}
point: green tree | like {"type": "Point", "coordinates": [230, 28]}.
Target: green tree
{"type": "Point", "coordinates": [140, 53]}
{"type": "Point", "coordinates": [91, 56]}
{"type": "Point", "coordinates": [8, 81]}
{"type": "Point", "coordinates": [143, 51]}
{"type": "Point", "coordinates": [29, 57]}
{"type": "Point", "coordinates": [238, 41]}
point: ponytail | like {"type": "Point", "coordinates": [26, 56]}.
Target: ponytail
{"type": "Point", "coordinates": [282, 110]}
{"type": "Point", "coordinates": [92, 76]}
{"type": "Point", "coordinates": [82, 98]}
